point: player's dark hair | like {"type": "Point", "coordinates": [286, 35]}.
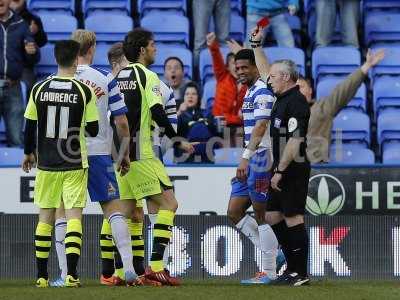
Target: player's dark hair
{"type": "Point", "coordinates": [246, 54]}
{"type": "Point", "coordinates": [66, 52]}
{"type": "Point", "coordinates": [134, 41]}
{"type": "Point", "coordinates": [115, 53]}
{"type": "Point", "coordinates": [174, 58]}
{"type": "Point", "coordinates": [308, 81]}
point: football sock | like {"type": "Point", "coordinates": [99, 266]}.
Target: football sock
{"type": "Point", "coordinates": [136, 231]}
{"type": "Point", "coordinates": [73, 244]}
{"type": "Point", "coordinates": [122, 239]}
{"type": "Point", "coordinates": [107, 249]}
{"type": "Point", "coordinates": [119, 267]}
{"type": "Point", "coordinates": [42, 247]}
{"type": "Point", "coordinates": [161, 235]}
{"type": "Point", "coordinates": [60, 230]}
{"type": "Point", "coordinates": [282, 235]}
{"type": "Point", "coordinates": [249, 227]}
{"type": "Point", "coordinates": [269, 250]}
{"type": "Point", "coordinates": [299, 248]}
{"type": "Point", "coordinates": [153, 218]}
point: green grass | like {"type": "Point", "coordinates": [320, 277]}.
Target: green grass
{"type": "Point", "coordinates": [210, 289]}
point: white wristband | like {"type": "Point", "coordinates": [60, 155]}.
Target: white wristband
{"type": "Point", "coordinates": [247, 154]}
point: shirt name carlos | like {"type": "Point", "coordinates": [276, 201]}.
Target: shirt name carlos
{"type": "Point", "coordinates": [58, 97]}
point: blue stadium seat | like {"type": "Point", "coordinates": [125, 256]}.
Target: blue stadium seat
{"type": "Point", "coordinates": [357, 156]}
{"type": "Point", "coordinates": [326, 85]}
{"type": "Point", "coordinates": [237, 27]}
{"type": "Point", "coordinates": [381, 4]}
{"type": "Point", "coordinates": [337, 148]}
{"type": "Point", "coordinates": [381, 26]}
{"type": "Point", "coordinates": [334, 61]}
{"type": "Point", "coordinates": [3, 137]}
{"type": "Point", "coordinates": [100, 58]}
{"type": "Point", "coordinates": [89, 6]}
{"type": "Point", "coordinates": [386, 93]}
{"type": "Point", "coordinates": [168, 27]}
{"type": "Point", "coordinates": [146, 6]}
{"type": "Point", "coordinates": [295, 54]}
{"type": "Point", "coordinates": [352, 126]}
{"type": "Point", "coordinates": [205, 63]}
{"type": "Point", "coordinates": [391, 153]}
{"type": "Point", "coordinates": [164, 52]}
{"type": "Point", "coordinates": [388, 126]}
{"type": "Point", "coordinates": [109, 27]}
{"type": "Point", "coordinates": [390, 65]}
{"type": "Point", "coordinates": [67, 6]}
{"type": "Point", "coordinates": [47, 64]}
{"type": "Point", "coordinates": [58, 26]}
{"type": "Point", "coordinates": [208, 95]}
{"type": "Point", "coordinates": [228, 156]}
{"type": "Point", "coordinates": [11, 156]}
{"type": "Point", "coordinates": [236, 6]}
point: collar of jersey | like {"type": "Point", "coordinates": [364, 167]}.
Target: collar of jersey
{"type": "Point", "coordinates": [62, 77]}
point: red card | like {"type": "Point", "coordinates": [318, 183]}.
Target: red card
{"type": "Point", "coordinates": [263, 22]}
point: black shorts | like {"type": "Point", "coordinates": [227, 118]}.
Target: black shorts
{"type": "Point", "coordinates": [291, 200]}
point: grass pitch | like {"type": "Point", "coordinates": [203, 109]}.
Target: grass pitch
{"type": "Point", "coordinates": [208, 289]}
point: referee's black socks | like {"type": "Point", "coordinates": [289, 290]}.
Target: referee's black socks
{"type": "Point", "coordinates": [282, 234]}
{"type": "Point", "coordinates": [299, 248]}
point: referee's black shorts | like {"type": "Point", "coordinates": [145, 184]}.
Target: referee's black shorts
{"type": "Point", "coordinates": [291, 200]}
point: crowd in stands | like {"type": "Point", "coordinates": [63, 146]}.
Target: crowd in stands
{"type": "Point", "coordinates": [197, 41]}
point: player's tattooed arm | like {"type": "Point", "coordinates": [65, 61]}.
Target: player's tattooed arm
{"type": "Point", "coordinates": [29, 160]}
{"type": "Point", "coordinates": [122, 126]}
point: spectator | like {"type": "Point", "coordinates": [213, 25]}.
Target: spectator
{"type": "Point", "coordinates": [275, 10]}
{"type": "Point", "coordinates": [193, 125]}
{"type": "Point", "coordinates": [40, 37]}
{"type": "Point", "coordinates": [202, 12]}
{"type": "Point", "coordinates": [229, 93]}
{"type": "Point", "coordinates": [174, 74]}
{"type": "Point", "coordinates": [326, 21]}
{"type": "Point", "coordinates": [18, 48]}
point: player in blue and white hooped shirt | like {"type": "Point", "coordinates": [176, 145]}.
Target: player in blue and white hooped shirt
{"type": "Point", "coordinates": [102, 183]}
{"type": "Point", "coordinates": [250, 186]}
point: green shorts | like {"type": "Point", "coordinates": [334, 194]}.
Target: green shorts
{"type": "Point", "coordinates": [69, 186]}
{"type": "Point", "coordinates": [145, 178]}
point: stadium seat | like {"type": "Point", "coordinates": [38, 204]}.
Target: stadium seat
{"type": "Point", "coordinates": [66, 6]}
{"type": "Point", "coordinates": [334, 61]}
{"type": "Point", "coordinates": [3, 137]}
{"type": "Point", "coordinates": [381, 26]}
{"type": "Point", "coordinates": [89, 6]}
{"type": "Point", "coordinates": [352, 126]}
{"type": "Point", "coordinates": [58, 26]}
{"type": "Point", "coordinates": [236, 6]}
{"type": "Point", "coordinates": [164, 52]}
{"type": "Point", "coordinates": [326, 85]}
{"type": "Point", "coordinates": [101, 23]}
{"type": "Point", "coordinates": [207, 100]}
{"type": "Point", "coordinates": [168, 27]}
{"type": "Point", "coordinates": [47, 64]}
{"type": "Point", "coordinates": [237, 28]}
{"type": "Point", "coordinates": [381, 4]}
{"type": "Point", "coordinates": [386, 93]}
{"type": "Point", "coordinates": [205, 63]}
{"type": "Point", "coordinates": [11, 156]}
{"type": "Point", "coordinates": [356, 156]}
{"type": "Point", "coordinates": [390, 65]}
{"type": "Point", "coordinates": [228, 156]}
{"type": "Point", "coordinates": [100, 58]}
{"type": "Point", "coordinates": [391, 153]}
{"type": "Point", "coordinates": [147, 6]}
{"type": "Point", "coordinates": [295, 54]}
{"type": "Point", "coordinates": [388, 126]}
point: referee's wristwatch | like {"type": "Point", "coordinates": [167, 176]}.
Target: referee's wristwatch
{"type": "Point", "coordinates": [277, 171]}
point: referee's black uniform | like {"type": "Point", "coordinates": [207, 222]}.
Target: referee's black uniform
{"type": "Point", "coordinates": [289, 118]}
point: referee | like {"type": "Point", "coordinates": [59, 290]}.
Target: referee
{"type": "Point", "coordinates": [285, 209]}
{"type": "Point", "coordinates": [62, 109]}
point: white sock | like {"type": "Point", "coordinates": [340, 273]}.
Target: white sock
{"type": "Point", "coordinates": [269, 250]}
{"type": "Point", "coordinates": [60, 231]}
{"type": "Point", "coordinates": [122, 239]}
{"type": "Point", "coordinates": [249, 227]}
{"type": "Point", "coordinates": [153, 218]}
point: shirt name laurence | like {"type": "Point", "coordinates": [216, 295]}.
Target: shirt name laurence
{"type": "Point", "coordinates": [58, 97]}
